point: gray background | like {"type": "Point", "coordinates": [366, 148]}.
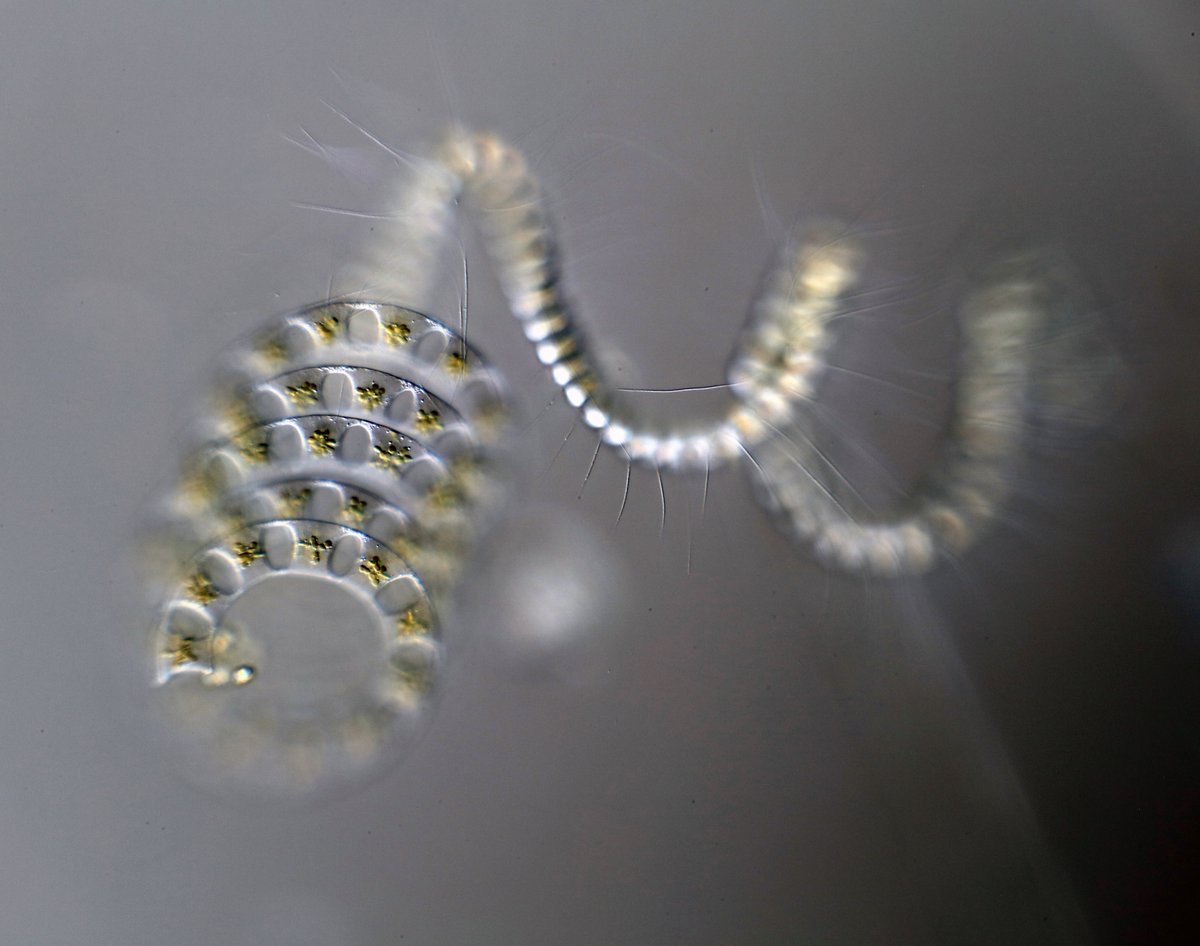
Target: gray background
{"type": "Point", "coordinates": [742, 747]}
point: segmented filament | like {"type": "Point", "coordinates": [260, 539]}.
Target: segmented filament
{"type": "Point", "coordinates": [775, 370]}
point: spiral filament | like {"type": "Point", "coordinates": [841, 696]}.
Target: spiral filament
{"type": "Point", "coordinates": [337, 481]}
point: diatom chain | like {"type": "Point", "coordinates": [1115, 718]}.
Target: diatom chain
{"type": "Point", "coordinates": [338, 476]}
{"type": "Point", "coordinates": [350, 452]}
{"type": "Point", "coordinates": [1008, 324]}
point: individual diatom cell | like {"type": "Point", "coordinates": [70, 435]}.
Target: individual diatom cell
{"type": "Point", "coordinates": [302, 643]}
{"type": "Point", "coordinates": [184, 643]}
{"type": "Point", "coordinates": [414, 659]}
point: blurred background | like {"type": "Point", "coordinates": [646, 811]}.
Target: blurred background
{"type": "Point", "coordinates": [676, 727]}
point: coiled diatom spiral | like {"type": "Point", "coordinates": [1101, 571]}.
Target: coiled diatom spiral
{"type": "Point", "coordinates": [338, 476]}
{"type": "Point", "coordinates": [349, 455]}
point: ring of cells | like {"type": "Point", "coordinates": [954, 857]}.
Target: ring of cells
{"type": "Point", "coordinates": [336, 482]}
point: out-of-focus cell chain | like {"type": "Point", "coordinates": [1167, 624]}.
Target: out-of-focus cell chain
{"type": "Point", "coordinates": [1007, 322]}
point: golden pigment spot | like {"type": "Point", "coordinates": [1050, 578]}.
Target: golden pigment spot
{"type": "Point", "coordinates": [327, 328]}
{"type": "Point", "coordinates": [409, 625]}
{"type": "Point", "coordinates": [372, 395]}
{"type": "Point", "coordinates": [456, 363]}
{"type": "Point", "coordinates": [396, 333]}
{"type": "Point", "coordinates": [247, 552]}
{"type": "Point", "coordinates": [316, 546]}
{"type": "Point", "coordinates": [304, 394]}
{"type": "Point", "coordinates": [356, 508]}
{"type": "Point", "coordinates": [254, 450]}
{"type": "Point", "coordinates": [199, 588]}
{"type": "Point", "coordinates": [294, 501]}
{"type": "Point", "coordinates": [392, 455]}
{"type": "Point", "coordinates": [428, 420]}
{"type": "Point", "coordinates": [183, 651]}
{"type": "Point", "coordinates": [375, 569]}
{"type": "Point", "coordinates": [321, 441]}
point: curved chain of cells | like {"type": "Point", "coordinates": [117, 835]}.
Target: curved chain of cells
{"type": "Point", "coordinates": [774, 371]}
